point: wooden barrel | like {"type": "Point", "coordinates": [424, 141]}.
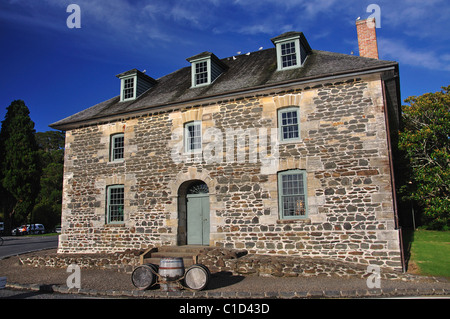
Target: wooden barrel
{"type": "Point", "coordinates": [171, 269]}
{"type": "Point", "coordinates": [197, 277]}
{"type": "Point", "coordinates": [144, 276]}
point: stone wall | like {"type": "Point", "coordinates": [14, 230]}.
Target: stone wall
{"type": "Point", "coordinates": [121, 261]}
{"type": "Point", "coordinates": [240, 263]}
{"type": "Point", "coordinates": [236, 262]}
{"type": "Point", "coordinates": [343, 149]}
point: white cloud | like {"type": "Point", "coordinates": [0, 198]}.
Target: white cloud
{"type": "Point", "coordinates": [416, 56]}
{"type": "Point", "coordinates": [427, 20]}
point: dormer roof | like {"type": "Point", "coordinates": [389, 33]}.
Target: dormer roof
{"type": "Point", "coordinates": [292, 35]}
{"type": "Point", "coordinates": [207, 55]}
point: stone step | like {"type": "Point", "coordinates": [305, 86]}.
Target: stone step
{"type": "Point", "coordinates": [162, 254]}
{"type": "Point", "coordinates": [187, 261]}
{"type": "Point", "coordinates": [195, 249]}
{"type": "Point", "coordinates": [187, 252]}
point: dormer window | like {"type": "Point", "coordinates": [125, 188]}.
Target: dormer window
{"type": "Point", "coordinates": [292, 50]}
{"type": "Point", "coordinates": [201, 73]}
{"type": "Point", "coordinates": [128, 89]}
{"type": "Point", "coordinates": [288, 54]}
{"type": "Point", "coordinates": [205, 69]}
{"type": "Point", "coordinates": [133, 83]}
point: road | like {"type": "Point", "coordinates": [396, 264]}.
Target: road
{"type": "Point", "coordinates": [26, 294]}
{"type": "Point", "coordinates": [19, 245]}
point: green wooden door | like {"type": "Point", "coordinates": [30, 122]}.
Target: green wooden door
{"type": "Point", "coordinates": [197, 219]}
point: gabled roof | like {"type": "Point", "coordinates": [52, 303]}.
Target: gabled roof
{"type": "Point", "coordinates": [293, 34]}
{"type": "Point", "coordinates": [138, 73]}
{"type": "Point", "coordinates": [244, 73]}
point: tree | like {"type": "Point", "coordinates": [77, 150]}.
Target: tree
{"type": "Point", "coordinates": [19, 164]}
{"type": "Point", "coordinates": [425, 141]}
{"type": "Point", "coordinates": [47, 210]}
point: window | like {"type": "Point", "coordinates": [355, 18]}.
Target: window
{"type": "Point", "coordinates": [292, 194]}
{"type": "Point", "coordinates": [193, 136]}
{"type": "Point", "coordinates": [289, 124]}
{"type": "Point", "coordinates": [292, 50]}
{"type": "Point", "coordinates": [201, 73]}
{"type": "Point", "coordinates": [205, 69]}
{"type": "Point", "coordinates": [288, 54]}
{"type": "Point", "coordinates": [117, 147]}
{"type": "Point", "coordinates": [115, 206]}
{"type": "Point", "coordinates": [128, 89]}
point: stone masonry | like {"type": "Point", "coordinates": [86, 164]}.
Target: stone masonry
{"type": "Point", "coordinates": [343, 149]}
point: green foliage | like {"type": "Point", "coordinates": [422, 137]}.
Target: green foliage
{"type": "Point", "coordinates": [31, 170]}
{"type": "Point", "coordinates": [47, 210]}
{"type": "Point", "coordinates": [19, 168]}
{"type": "Point", "coordinates": [425, 143]}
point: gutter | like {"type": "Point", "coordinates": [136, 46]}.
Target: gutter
{"type": "Point", "coordinates": [171, 106]}
{"type": "Point", "coordinates": [392, 173]}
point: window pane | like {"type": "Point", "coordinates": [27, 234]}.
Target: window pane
{"type": "Point", "coordinates": [288, 54]}
{"type": "Point", "coordinates": [116, 204]}
{"type": "Point", "coordinates": [118, 147]}
{"type": "Point", "coordinates": [128, 88]}
{"type": "Point", "coordinates": [201, 72]}
{"type": "Point", "coordinates": [194, 139]}
{"type": "Point", "coordinates": [292, 195]}
{"type": "Point", "coordinates": [289, 125]}
{"type": "Point", "coordinates": [294, 206]}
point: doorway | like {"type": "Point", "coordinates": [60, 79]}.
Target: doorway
{"type": "Point", "coordinates": [194, 213]}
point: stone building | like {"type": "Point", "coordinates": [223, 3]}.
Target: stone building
{"type": "Point", "coordinates": [281, 151]}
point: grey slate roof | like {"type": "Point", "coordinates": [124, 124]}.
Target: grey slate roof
{"type": "Point", "coordinates": [245, 72]}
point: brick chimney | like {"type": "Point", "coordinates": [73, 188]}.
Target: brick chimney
{"type": "Point", "coordinates": [367, 38]}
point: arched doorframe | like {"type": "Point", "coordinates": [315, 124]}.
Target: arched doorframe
{"type": "Point", "coordinates": [177, 208]}
{"type": "Point", "coordinates": [193, 213]}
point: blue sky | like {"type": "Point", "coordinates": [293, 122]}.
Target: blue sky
{"type": "Point", "coordinates": [59, 71]}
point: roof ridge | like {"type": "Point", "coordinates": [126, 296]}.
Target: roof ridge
{"type": "Point", "coordinates": [255, 71]}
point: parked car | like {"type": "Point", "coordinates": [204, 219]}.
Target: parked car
{"type": "Point", "coordinates": [21, 230]}
{"type": "Point", "coordinates": [36, 229]}
{"type": "Point", "coordinates": [2, 227]}
{"type": "Point", "coordinates": [28, 229]}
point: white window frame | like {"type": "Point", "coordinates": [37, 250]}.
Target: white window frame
{"type": "Point", "coordinates": [194, 72]}
{"type": "Point", "coordinates": [110, 205]}
{"type": "Point", "coordinates": [187, 138]}
{"type": "Point", "coordinates": [300, 209]}
{"type": "Point", "coordinates": [280, 112]}
{"type": "Point", "coordinates": [113, 147]}
{"type": "Point", "coordinates": [122, 88]}
{"type": "Point", "coordinates": [296, 41]}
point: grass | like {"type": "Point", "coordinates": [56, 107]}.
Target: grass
{"type": "Point", "coordinates": [430, 253]}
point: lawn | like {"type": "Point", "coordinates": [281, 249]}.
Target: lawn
{"type": "Point", "coordinates": [430, 252]}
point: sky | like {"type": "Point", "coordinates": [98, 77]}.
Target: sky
{"type": "Point", "coordinates": [59, 71]}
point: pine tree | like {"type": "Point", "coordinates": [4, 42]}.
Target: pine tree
{"type": "Point", "coordinates": [19, 164]}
